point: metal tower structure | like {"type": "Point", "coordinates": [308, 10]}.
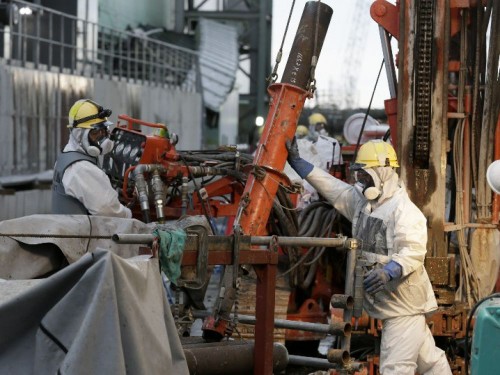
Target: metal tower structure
{"type": "Point", "coordinates": [354, 46]}
{"type": "Point", "coordinates": [253, 19]}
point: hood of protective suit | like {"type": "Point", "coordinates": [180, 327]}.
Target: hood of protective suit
{"type": "Point", "coordinates": [75, 140]}
{"type": "Point", "coordinates": [386, 180]}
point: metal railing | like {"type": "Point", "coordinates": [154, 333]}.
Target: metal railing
{"type": "Point", "coordinates": [42, 38]}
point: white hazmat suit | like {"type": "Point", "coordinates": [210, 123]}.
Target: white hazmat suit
{"type": "Point", "coordinates": [86, 182]}
{"type": "Point", "coordinates": [392, 228]}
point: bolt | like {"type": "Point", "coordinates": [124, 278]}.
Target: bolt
{"type": "Point", "coordinates": [380, 10]}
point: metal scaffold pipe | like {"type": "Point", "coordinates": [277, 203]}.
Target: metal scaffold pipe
{"type": "Point", "coordinates": [334, 328]}
{"type": "Point", "coordinates": [144, 239]}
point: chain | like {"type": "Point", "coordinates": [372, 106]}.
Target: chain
{"type": "Point", "coordinates": [176, 306]}
{"type": "Point", "coordinates": [234, 322]}
{"type": "Point", "coordinates": [274, 75]}
{"type": "Point", "coordinates": [423, 83]}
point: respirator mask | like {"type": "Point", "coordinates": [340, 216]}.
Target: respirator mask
{"type": "Point", "coordinates": [100, 145]}
{"type": "Point", "coordinates": [365, 178]}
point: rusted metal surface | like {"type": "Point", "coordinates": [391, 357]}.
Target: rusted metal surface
{"type": "Point", "coordinates": [264, 311]}
{"type": "Point", "coordinates": [449, 322]}
{"type": "Point", "coordinates": [339, 356]}
{"type": "Point", "coordinates": [425, 184]}
{"type": "Point", "coordinates": [438, 270]}
{"type": "Point", "coordinates": [228, 357]}
{"type": "Point", "coordinates": [342, 301]}
{"type": "Point", "coordinates": [286, 103]}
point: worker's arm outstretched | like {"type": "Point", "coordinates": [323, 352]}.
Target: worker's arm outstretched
{"type": "Point", "coordinates": [344, 197]}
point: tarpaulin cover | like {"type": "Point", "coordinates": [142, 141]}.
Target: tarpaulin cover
{"type": "Point", "coordinates": [46, 243]}
{"type": "Point", "coordinates": [100, 315]}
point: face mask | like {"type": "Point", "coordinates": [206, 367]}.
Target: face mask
{"type": "Point", "coordinates": [106, 145]}
{"type": "Point", "coordinates": [365, 180]}
{"type": "Point", "coordinates": [101, 146]}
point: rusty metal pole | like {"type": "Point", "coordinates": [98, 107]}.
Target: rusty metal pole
{"type": "Point", "coordinates": [286, 103]}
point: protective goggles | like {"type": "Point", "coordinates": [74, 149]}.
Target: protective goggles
{"type": "Point", "coordinates": [363, 178]}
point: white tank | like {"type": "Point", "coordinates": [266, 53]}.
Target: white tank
{"type": "Point", "coordinates": [373, 129]}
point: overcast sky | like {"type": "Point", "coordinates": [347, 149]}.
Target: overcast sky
{"type": "Point", "coordinates": [352, 44]}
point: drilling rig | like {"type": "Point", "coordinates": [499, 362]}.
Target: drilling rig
{"type": "Point", "coordinates": [444, 122]}
{"type": "Point", "coordinates": [443, 116]}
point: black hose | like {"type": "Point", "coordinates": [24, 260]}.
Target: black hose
{"type": "Point", "coordinates": [307, 227]}
{"type": "Point", "coordinates": [287, 206]}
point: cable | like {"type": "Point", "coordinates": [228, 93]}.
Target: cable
{"type": "Point", "coordinates": [367, 112]}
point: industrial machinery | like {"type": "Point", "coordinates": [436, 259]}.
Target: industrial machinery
{"type": "Point", "coordinates": [443, 115]}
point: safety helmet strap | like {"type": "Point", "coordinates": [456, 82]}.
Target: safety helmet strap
{"type": "Point", "coordinates": [102, 113]}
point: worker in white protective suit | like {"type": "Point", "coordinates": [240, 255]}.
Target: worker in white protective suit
{"type": "Point", "coordinates": [79, 186]}
{"type": "Point", "coordinates": [324, 152]}
{"type": "Point", "coordinates": [393, 234]}
{"type": "Point", "coordinates": [317, 126]}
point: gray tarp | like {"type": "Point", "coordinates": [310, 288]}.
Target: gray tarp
{"type": "Point", "coordinates": [59, 239]}
{"type": "Point", "coordinates": [100, 315]}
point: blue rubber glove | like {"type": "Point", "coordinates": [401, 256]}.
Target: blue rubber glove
{"type": "Point", "coordinates": [377, 279]}
{"type": "Point", "coordinates": [301, 166]}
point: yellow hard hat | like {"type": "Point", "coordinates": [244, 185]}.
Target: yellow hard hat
{"type": "Point", "coordinates": [317, 118]}
{"type": "Point", "coordinates": [87, 114]}
{"type": "Point", "coordinates": [375, 153]}
{"type": "Point", "coordinates": [301, 131]}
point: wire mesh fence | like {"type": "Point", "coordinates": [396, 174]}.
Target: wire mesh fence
{"type": "Point", "coordinates": [43, 38]}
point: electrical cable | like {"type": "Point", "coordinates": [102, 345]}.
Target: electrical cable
{"type": "Point", "coordinates": [367, 112]}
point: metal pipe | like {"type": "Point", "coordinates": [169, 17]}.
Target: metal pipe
{"type": "Point", "coordinates": [184, 195]}
{"type": "Point", "coordinates": [142, 190]}
{"type": "Point", "coordinates": [342, 301]}
{"type": "Point", "coordinates": [307, 43]}
{"type": "Point", "coordinates": [128, 238]}
{"type": "Point", "coordinates": [349, 289]}
{"type": "Point", "coordinates": [300, 241]}
{"type": "Point", "coordinates": [297, 360]}
{"type": "Point", "coordinates": [133, 239]}
{"type": "Point", "coordinates": [339, 356]}
{"type": "Point", "coordinates": [358, 292]}
{"type": "Point", "coordinates": [159, 195]}
{"type": "Point", "coordinates": [335, 328]}
{"type": "Point", "coordinates": [229, 357]}
{"type": "Point", "coordinates": [388, 62]}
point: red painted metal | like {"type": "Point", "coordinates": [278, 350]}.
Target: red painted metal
{"type": "Point", "coordinates": [286, 104]}
{"type": "Point", "coordinates": [225, 257]}
{"type": "Point", "coordinates": [264, 312]}
{"type": "Point", "coordinates": [310, 311]}
{"type": "Point", "coordinates": [391, 110]}
{"type": "Point", "coordinates": [386, 15]}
